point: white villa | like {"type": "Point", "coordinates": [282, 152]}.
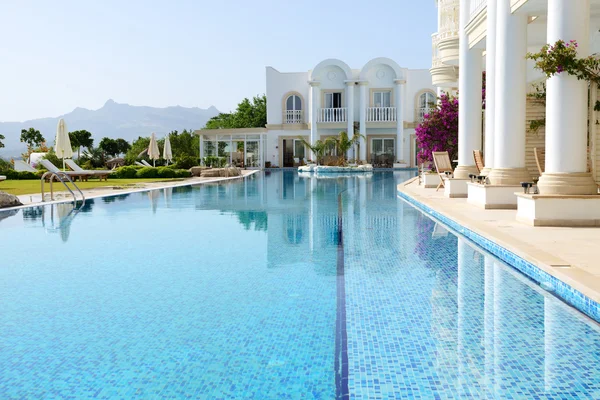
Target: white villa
{"type": "Point", "coordinates": [381, 100]}
{"type": "Point", "coordinates": [494, 36]}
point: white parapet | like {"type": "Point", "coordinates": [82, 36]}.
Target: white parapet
{"type": "Point", "coordinates": [493, 197]}
{"type": "Point", "coordinates": [454, 188]}
{"type": "Point", "coordinates": [557, 210]}
{"type": "Point", "coordinates": [430, 180]}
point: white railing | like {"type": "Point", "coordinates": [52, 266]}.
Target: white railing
{"type": "Point", "coordinates": [449, 19]}
{"type": "Point", "coordinates": [293, 117]}
{"type": "Point", "coordinates": [332, 115]}
{"type": "Point", "coordinates": [475, 6]}
{"type": "Point", "coordinates": [422, 111]}
{"type": "Point", "coordinates": [381, 114]}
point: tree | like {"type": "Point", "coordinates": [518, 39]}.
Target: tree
{"type": "Point", "coordinates": [248, 114]}
{"type": "Point", "coordinates": [32, 137]}
{"type": "Point", "coordinates": [137, 146]}
{"type": "Point", "coordinates": [1, 139]}
{"type": "Point", "coordinates": [122, 146]}
{"type": "Point", "coordinates": [318, 148]}
{"type": "Point", "coordinates": [439, 130]}
{"type": "Point", "coordinates": [343, 143]}
{"type": "Point", "coordinates": [81, 139]}
{"type": "Point", "coordinates": [109, 146]}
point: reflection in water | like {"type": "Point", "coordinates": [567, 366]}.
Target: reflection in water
{"type": "Point", "coordinates": [57, 218]}
{"type": "Point", "coordinates": [112, 199]}
{"type": "Point", "coordinates": [7, 214]}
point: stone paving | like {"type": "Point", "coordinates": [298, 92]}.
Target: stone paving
{"type": "Point", "coordinates": [570, 254]}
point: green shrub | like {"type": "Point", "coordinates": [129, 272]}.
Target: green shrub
{"type": "Point", "coordinates": [5, 165]}
{"type": "Point", "coordinates": [126, 172]}
{"type": "Point", "coordinates": [164, 172]}
{"type": "Point", "coordinates": [182, 173]}
{"type": "Point", "coordinates": [21, 175]}
{"type": "Point", "coordinates": [147, 172]}
{"type": "Point", "coordinates": [185, 162]}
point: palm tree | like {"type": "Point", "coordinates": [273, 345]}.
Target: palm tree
{"type": "Point", "coordinates": [343, 143]}
{"type": "Point", "coordinates": [318, 148]}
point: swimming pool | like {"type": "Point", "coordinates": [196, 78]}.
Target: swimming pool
{"type": "Point", "coordinates": [270, 287]}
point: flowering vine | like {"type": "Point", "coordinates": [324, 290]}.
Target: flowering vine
{"type": "Point", "coordinates": [439, 130]}
{"type": "Point", "coordinates": [563, 57]}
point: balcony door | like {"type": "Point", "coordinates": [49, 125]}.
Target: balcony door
{"type": "Point", "coordinates": [333, 100]}
{"type": "Point", "coordinates": [382, 99]}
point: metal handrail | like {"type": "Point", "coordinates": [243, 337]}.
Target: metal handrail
{"type": "Point", "coordinates": [58, 176]}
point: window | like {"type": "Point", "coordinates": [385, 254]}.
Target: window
{"type": "Point", "coordinates": [293, 103]}
{"type": "Point", "coordinates": [426, 104]}
{"type": "Point", "coordinates": [299, 149]}
{"type": "Point", "coordinates": [333, 100]}
{"type": "Point", "coordinates": [382, 146]}
{"type": "Point", "coordinates": [382, 99]}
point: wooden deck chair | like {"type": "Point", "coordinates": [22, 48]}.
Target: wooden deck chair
{"type": "Point", "coordinates": [478, 157]}
{"type": "Point", "coordinates": [540, 159]}
{"type": "Point", "coordinates": [441, 159]}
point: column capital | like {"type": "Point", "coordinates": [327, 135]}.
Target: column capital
{"type": "Point", "coordinates": [314, 83]}
{"type": "Point", "coordinates": [363, 83]}
{"type": "Point", "coordinates": [351, 82]}
{"type": "Point", "coordinates": [399, 81]}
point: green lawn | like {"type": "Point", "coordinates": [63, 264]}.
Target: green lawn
{"type": "Point", "coordinates": [34, 186]}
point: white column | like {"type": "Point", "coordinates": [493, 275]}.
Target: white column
{"type": "Point", "coordinates": [350, 113]}
{"type": "Point", "coordinates": [511, 77]}
{"type": "Point", "coordinates": [315, 95]}
{"type": "Point", "coordinates": [490, 87]}
{"type": "Point", "coordinates": [363, 120]}
{"type": "Point", "coordinates": [469, 87]}
{"type": "Point", "coordinates": [566, 107]}
{"type": "Point", "coordinates": [399, 102]}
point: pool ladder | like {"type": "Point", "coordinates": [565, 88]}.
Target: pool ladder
{"type": "Point", "coordinates": [61, 176]}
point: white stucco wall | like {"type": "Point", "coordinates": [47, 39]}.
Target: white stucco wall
{"type": "Point", "coordinates": [417, 80]}
{"type": "Point", "coordinates": [278, 85]}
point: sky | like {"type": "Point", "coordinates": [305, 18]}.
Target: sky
{"type": "Point", "coordinates": [62, 54]}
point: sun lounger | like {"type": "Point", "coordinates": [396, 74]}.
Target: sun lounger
{"type": "Point", "coordinates": [139, 163]}
{"type": "Point", "coordinates": [21, 165]}
{"type": "Point", "coordinates": [82, 176]}
{"type": "Point", "coordinates": [441, 159]}
{"type": "Point", "coordinates": [2, 178]}
{"type": "Point", "coordinates": [146, 164]}
{"type": "Point", "coordinates": [478, 157]}
{"type": "Point", "coordinates": [99, 173]}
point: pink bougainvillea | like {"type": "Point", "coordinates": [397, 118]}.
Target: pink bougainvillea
{"type": "Point", "coordinates": [439, 130]}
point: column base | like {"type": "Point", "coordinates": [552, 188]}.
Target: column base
{"type": "Point", "coordinates": [463, 171]}
{"type": "Point", "coordinates": [492, 197]}
{"type": "Point", "coordinates": [558, 210]}
{"type": "Point", "coordinates": [577, 183]}
{"type": "Point", "coordinates": [455, 188]}
{"type": "Point", "coordinates": [509, 176]}
{"type": "Point", "coordinates": [486, 171]}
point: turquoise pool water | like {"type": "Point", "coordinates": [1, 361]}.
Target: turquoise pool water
{"type": "Point", "coordinates": [272, 288]}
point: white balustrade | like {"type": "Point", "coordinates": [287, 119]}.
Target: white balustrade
{"type": "Point", "coordinates": [332, 114]}
{"type": "Point", "coordinates": [475, 6]}
{"type": "Point", "coordinates": [422, 111]}
{"type": "Point", "coordinates": [381, 114]}
{"type": "Point", "coordinates": [293, 117]}
{"type": "Point", "coordinates": [449, 19]}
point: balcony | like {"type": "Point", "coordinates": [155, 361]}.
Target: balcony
{"type": "Point", "coordinates": [421, 112]}
{"type": "Point", "coordinates": [332, 115]}
{"type": "Point", "coordinates": [381, 114]}
{"type": "Point", "coordinates": [447, 36]}
{"type": "Point", "coordinates": [293, 117]}
{"type": "Point", "coordinates": [475, 7]}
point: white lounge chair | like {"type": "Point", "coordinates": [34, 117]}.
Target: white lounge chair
{"type": "Point", "coordinates": [441, 159]}
{"type": "Point", "coordinates": [2, 178]}
{"type": "Point", "coordinates": [146, 164]}
{"type": "Point", "coordinates": [21, 165]}
{"type": "Point", "coordinates": [139, 163]}
{"type": "Point", "coordinates": [99, 173]}
{"type": "Point", "coordinates": [83, 176]}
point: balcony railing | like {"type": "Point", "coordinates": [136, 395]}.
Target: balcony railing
{"type": "Point", "coordinates": [332, 115]}
{"type": "Point", "coordinates": [381, 114]}
{"type": "Point", "coordinates": [449, 19]}
{"type": "Point", "coordinates": [422, 111]}
{"type": "Point", "coordinates": [475, 6]}
{"type": "Point", "coordinates": [293, 117]}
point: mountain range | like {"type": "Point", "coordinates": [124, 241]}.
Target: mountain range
{"type": "Point", "coordinates": [113, 120]}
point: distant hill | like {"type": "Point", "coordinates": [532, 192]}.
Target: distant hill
{"type": "Point", "coordinates": [113, 120]}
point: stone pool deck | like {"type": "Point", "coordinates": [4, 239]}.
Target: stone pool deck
{"type": "Point", "coordinates": [572, 255]}
{"type": "Point", "coordinates": [60, 196]}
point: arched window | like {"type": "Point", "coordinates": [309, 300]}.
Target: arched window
{"type": "Point", "coordinates": [293, 109]}
{"type": "Point", "coordinates": [425, 104]}
{"type": "Point", "coordinates": [294, 103]}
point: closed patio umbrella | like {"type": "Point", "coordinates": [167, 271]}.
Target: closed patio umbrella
{"type": "Point", "coordinates": [167, 153]}
{"type": "Point", "coordinates": [153, 151]}
{"type": "Point", "coordinates": [62, 144]}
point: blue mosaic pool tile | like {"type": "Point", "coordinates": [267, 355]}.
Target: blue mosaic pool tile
{"type": "Point", "coordinates": [560, 288]}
